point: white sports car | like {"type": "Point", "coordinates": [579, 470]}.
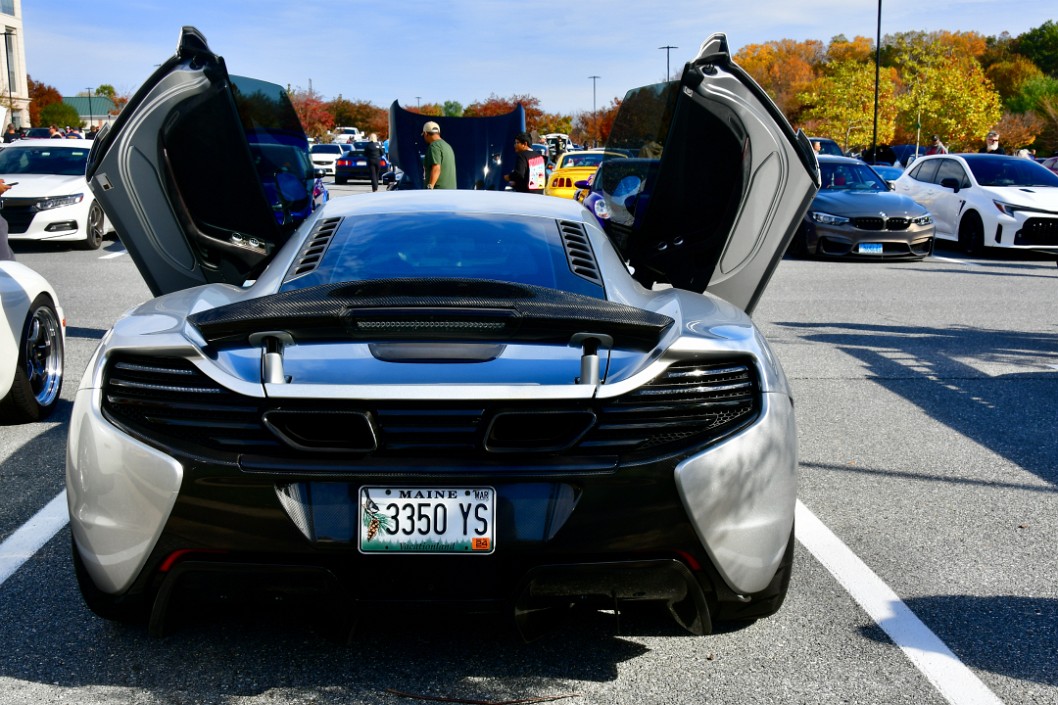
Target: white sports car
{"type": "Point", "coordinates": [987, 200]}
{"type": "Point", "coordinates": [50, 199]}
{"type": "Point", "coordinates": [448, 398]}
{"type": "Point", "coordinates": [32, 334]}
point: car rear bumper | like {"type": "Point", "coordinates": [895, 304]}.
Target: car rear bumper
{"type": "Point", "coordinates": [138, 513]}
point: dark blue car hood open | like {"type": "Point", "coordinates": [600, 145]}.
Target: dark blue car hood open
{"type": "Point", "coordinates": [473, 139]}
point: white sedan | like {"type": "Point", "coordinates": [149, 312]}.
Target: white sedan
{"type": "Point", "coordinates": [32, 335]}
{"type": "Point", "coordinates": [987, 200]}
{"type": "Point", "coordinates": [325, 155]}
{"type": "Point", "coordinates": [49, 198]}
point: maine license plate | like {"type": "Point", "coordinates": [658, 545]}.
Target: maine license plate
{"type": "Point", "coordinates": [427, 520]}
{"type": "Point", "coordinates": [870, 248]}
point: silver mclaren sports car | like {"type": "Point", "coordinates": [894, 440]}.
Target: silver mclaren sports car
{"type": "Point", "coordinates": [457, 398]}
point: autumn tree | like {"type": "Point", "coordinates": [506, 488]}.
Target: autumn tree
{"type": "Point", "coordinates": [945, 89]}
{"type": "Point", "coordinates": [593, 128]}
{"type": "Point", "coordinates": [316, 120]}
{"type": "Point", "coordinates": [840, 49]}
{"type": "Point", "coordinates": [555, 122]}
{"type": "Point", "coordinates": [784, 69]}
{"type": "Point", "coordinates": [1010, 76]}
{"type": "Point", "coordinates": [360, 113]}
{"type": "Point", "coordinates": [840, 104]}
{"type": "Point", "coordinates": [495, 105]}
{"type": "Point", "coordinates": [41, 95]}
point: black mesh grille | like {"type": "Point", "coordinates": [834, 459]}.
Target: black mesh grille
{"type": "Point", "coordinates": [169, 402]}
{"type": "Point", "coordinates": [878, 223]}
{"type": "Point", "coordinates": [315, 246]}
{"type": "Point", "coordinates": [579, 252]}
{"type": "Point", "coordinates": [1038, 231]}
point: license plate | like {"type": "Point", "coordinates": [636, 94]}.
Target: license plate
{"type": "Point", "coordinates": [361, 163]}
{"type": "Point", "coordinates": [427, 520]}
{"type": "Point", "coordinates": [870, 248]}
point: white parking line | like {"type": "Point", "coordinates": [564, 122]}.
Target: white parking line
{"type": "Point", "coordinates": [112, 255]}
{"type": "Point", "coordinates": [20, 546]}
{"type": "Point", "coordinates": [935, 258]}
{"type": "Point", "coordinates": [955, 681]}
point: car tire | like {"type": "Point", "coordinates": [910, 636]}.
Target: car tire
{"type": "Point", "coordinates": [37, 383]}
{"type": "Point", "coordinates": [971, 234]}
{"type": "Point", "coordinates": [116, 608]}
{"type": "Point", "coordinates": [94, 228]}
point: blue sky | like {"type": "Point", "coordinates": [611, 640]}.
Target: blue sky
{"type": "Point", "coordinates": [463, 50]}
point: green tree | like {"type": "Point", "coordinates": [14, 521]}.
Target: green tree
{"type": "Point", "coordinates": [1010, 76]}
{"type": "Point", "coordinates": [59, 114]}
{"type": "Point", "coordinates": [945, 89]}
{"type": "Point", "coordinates": [453, 108]}
{"type": "Point", "coordinates": [1040, 45]}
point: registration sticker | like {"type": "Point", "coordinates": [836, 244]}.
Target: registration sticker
{"type": "Point", "coordinates": [427, 520]}
{"type": "Point", "coordinates": [870, 248]}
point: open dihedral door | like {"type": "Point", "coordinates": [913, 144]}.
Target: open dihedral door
{"type": "Point", "coordinates": [728, 184]}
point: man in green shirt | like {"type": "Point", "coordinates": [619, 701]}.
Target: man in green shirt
{"type": "Point", "coordinates": [440, 163]}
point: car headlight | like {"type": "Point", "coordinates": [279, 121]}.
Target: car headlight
{"type": "Point", "coordinates": [828, 219]}
{"type": "Point", "coordinates": [601, 209]}
{"type": "Point", "coordinates": [926, 219]}
{"type": "Point", "coordinates": [46, 204]}
{"type": "Point", "coordinates": [1008, 208]}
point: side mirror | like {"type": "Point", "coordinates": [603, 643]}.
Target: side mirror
{"type": "Point", "coordinates": [951, 183]}
{"type": "Point", "coordinates": [318, 173]}
{"type": "Point", "coordinates": [891, 185]}
{"type": "Point", "coordinates": [583, 183]}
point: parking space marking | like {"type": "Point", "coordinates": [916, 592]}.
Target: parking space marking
{"type": "Point", "coordinates": [112, 255]}
{"type": "Point", "coordinates": [950, 676]}
{"type": "Point", "coordinates": [20, 546]}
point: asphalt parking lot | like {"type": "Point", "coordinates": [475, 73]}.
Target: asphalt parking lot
{"type": "Point", "coordinates": [925, 572]}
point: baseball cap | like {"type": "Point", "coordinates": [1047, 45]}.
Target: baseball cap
{"type": "Point", "coordinates": [992, 134]}
{"type": "Point", "coordinates": [431, 127]}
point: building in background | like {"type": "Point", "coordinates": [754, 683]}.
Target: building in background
{"type": "Point", "coordinates": [14, 88]}
{"type": "Point", "coordinates": [95, 110]}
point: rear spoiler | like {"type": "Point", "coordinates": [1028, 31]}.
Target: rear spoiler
{"type": "Point", "coordinates": [447, 309]}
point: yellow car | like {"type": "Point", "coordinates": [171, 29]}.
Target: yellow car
{"type": "Point", "coordinates": [573, 167]}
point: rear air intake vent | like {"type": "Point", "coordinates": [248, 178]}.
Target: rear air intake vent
{"type": "Point", "coordinates": [315, 246]}
{"type": "Point", "coordinates": [578, 251]}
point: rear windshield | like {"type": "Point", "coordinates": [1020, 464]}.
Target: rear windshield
{"type": "Point", "coordinates": [64, 161]}
{"type": "Point", "coordinates": [522, 250]}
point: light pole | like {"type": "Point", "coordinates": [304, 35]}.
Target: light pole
{"type": "Point", "coordinates": [594, 120]}
{"type": "Point", "coordinates": [877, 73]}
{"type": "Point", "coordinates": [668, 70]}
{"type": "Point", "coordinates": [9, 52]}
{"type": "Point", "coordinates": [89, 108]}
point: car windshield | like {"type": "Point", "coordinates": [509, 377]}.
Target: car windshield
{"type": "Point", "coordinates": [326, 149]}
{"type": "Point", "coordinates": [64, 161]}
{"type": "Point", "coordinates": [850, 177]}
{"type": "Point", "coordinates": [522, 250]}
{"type": "Point", "coordinates": [582, 159]}
{"type": "Point", "coordinates": [829, 147]}
{"type": "Point", "coordinates": [1009, 171]}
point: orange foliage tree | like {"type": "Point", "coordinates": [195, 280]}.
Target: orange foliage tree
{"type": "Point", "coordinates": [40, 96]}
{"type": "Point", "coordinates": [316, 121]}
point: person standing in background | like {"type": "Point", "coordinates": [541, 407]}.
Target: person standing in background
{"type": "Point", "coordinates": [373, 153]}
{"type": "Point", "coordinates": [439, 166]}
